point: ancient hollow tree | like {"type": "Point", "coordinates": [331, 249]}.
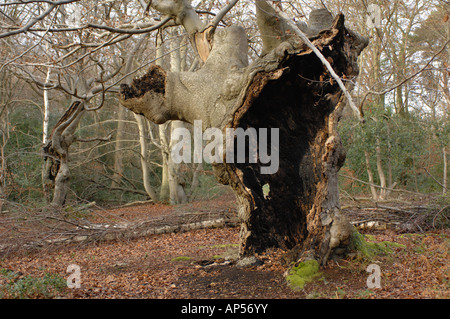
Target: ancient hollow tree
{"type": "Point", "coordinates": [287, 88]}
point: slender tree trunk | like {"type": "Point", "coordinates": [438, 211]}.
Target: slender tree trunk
{"type": "Point", "coordinates": [45, 134]}
{"type": "Point", "coordinates": [46, 109]}
{"type": "Point", "coordinates": [144, 164]}
{"type": "Point", "coordinates": [380, 171]}
{"type": "Point", "coordinates": [444, 178]}
{"type": "Point", "coordinates": [164, 193]}
{"type": "Point", "coordinates": [4, 133]}
{"type": "Point", "coordinates": [389, 155]}
{"type": "Point", "coordinates": [373, 190]}
{"type": "Point", "coordinates": [118, 145]}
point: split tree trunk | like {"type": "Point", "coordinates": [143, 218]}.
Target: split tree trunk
{"type": "Point", "coordinates": [287, 88]}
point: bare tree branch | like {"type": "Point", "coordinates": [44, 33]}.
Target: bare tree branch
{"type": "Point", "coordinates": [215, 22]}
{"type": "Point", "coordinates": [130, 31]}
{"type": "Point", "coordinates": [52, 6]}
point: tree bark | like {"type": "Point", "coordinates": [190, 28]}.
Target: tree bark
{"type": "Point", "coordinates": [287, 88]}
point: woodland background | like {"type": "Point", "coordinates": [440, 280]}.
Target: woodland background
{"type": "Point", "coordinates": [118, 157]}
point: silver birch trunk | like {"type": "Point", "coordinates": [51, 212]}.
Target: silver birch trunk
{"type": "Point", "coordinates": [45, 132]}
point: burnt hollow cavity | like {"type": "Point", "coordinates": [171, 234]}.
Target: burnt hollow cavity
{"type": "Point", "coordinates": [299, 104]}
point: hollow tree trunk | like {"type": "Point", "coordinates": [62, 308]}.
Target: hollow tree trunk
{"type": "Point", "coordinates": [287, 88]}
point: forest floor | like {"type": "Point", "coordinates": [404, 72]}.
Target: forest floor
{"type": "Point", "coordinates": [191, 264]}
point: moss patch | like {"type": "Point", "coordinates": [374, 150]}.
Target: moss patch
{"type": "Point", "coordinates": [225, 246]}
{"type": "Point", "coordinates": [365, 249]}
{"type": "Point", "coordinates": [303, 273]}
{"type": "Point", "coordinates": [181, 258]}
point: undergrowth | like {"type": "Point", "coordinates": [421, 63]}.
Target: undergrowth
{"type": "Point", "coordinates": [13, 286]}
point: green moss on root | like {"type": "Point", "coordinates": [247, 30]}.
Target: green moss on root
{"type": "Point", "coordinates": [369, 250]}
